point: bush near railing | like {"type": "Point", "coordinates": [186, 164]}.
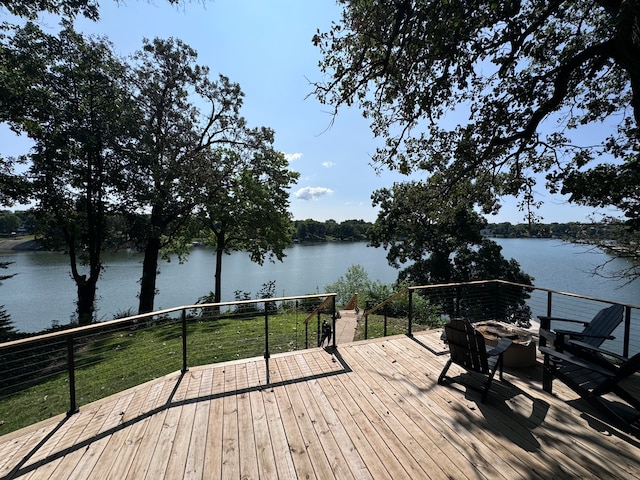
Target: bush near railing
{"type": "Point", "coordinates": [47, 375]}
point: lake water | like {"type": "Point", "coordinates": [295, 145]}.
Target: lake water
{"type": "Point", "coordinates": [43, 291]}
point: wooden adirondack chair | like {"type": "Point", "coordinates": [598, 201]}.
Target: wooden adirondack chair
{"type": "Point", "coordinates": [591, 375]}
{"type": "Point", "coordinates": [593, 334]}
{"type": "Point", "coordinates": [468, 350]}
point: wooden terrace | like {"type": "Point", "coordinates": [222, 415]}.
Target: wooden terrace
{"type": "Point", "coordinates": [371, 410]}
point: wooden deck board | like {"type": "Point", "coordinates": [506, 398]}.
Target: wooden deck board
{"type": "Point", "coordinates": [373, 410]}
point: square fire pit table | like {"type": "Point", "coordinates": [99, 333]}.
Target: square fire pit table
{"type": "Point", "coordinates": [521, 353]}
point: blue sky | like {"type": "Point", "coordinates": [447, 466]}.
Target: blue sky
{"type": "Point", "coordinates": [265, 46]}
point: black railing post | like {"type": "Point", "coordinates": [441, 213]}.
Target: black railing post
{"type": "Point", "coordinates": [366, 319]}
{"type": "Point", "coordinates": [318, 333]}
{"type": "Point", "coordinates": [627, 332]}
{"type": "Point", "coordinates": [266, 343]}
{"type": "Point", "coordinates": [333, 327]}
{"type": "Point", "coordinates": [498, 311]}
{"type": "Point", "coordinates": [545, 324]}
{"type": "Point", "coordinates": [185, 365]}
{"type": "Point", "coordinates": [384, 326]}
{"type": "Point", "coordinates": [71, 366]}
{"type": "Point", "coordinates": [410, 327]}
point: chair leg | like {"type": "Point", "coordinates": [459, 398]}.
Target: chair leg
{"type": "Point", "coordinates": [547, 374]}
{"type": "Point", "coordinates": [487, 386]}
{"type": "Point", "coordinates": [444, 372]}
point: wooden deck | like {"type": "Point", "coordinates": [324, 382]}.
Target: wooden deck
{"type": "Point", "coordinates": [373, 410]}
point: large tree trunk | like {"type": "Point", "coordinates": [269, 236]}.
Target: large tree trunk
{"type": "Point", "coordinates": [86, 299]}
{"type": "Point", "coordinates": [217, 293]}
{"type": "Point", "coordinates": [149, 273]}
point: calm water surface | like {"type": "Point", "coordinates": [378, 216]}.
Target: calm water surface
{"type": "Point", "coordinates": [43, 291]}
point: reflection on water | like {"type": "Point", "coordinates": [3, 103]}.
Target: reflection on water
{"type": "Point", "coordinates": [43, 291]}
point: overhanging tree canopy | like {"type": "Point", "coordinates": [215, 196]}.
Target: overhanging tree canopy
{"type": "Point", "coordinates": [522, 76]}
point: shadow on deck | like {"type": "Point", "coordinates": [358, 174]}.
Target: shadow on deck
{"type": "Point", "coordinates": [372, 409]}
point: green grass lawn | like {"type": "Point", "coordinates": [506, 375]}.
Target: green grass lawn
{"type": "Point", "coordinates": [111, 362]}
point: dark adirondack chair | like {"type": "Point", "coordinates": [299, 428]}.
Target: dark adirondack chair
{"type": "Point", "coordinates": [468, 350]}
{"type": "Point", "coordinates": [593, 334]}
{"type": "Point", "coordinates": [593, 373]}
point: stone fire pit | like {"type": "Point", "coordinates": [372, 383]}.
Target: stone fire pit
{"type": "Point", "coordinates": [522, 352]}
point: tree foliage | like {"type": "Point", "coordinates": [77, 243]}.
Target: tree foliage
{"type": "Point", "coordinates": [7, 328]}
{"type": "Point", "coordinates": [519, 79]}
{"type": "Point", "coordinates": [184, 114]}
{"type": "Point", "coordinates": [440, 241]}
{"type": "Point", "coordinates": [65, 93]}
{"type": "Point", "coordinates": [248, 209]}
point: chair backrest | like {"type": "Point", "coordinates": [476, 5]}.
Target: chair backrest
{"type": "Point", "coordinates": [467, 346]}
{"type": "Point", "coordinates": [603, 324]}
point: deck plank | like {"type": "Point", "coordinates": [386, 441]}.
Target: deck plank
{"type": "Point", "coordinates": [197, 447]}
{"type": "Point", "coordinates": [418, 445]}
{"type": "Point", "coordinates": [265, 458]}
{"type": "Point", "coordinates": [141, 464]}
{"type": "Point", "coordinates": [213, 446]}
{"type": "Point", "coordinates": [295, 438]}
{"type": "Point", "coordinates": [372, 410]}
{"type": "Point", "coordinates": [248, 454]}
{"type": "Point", "coordinates": [339, 447]}
{"type": "Point", "coordinates": [230, 438]}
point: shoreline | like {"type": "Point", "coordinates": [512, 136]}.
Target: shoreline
{"type": "Point", "coordinates": [21, 245]}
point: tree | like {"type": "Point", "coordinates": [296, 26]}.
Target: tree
{"type": "Point", "coordinates": [248, 210]}
{"type": "Point", "coordinates": [355, 280]}
{"type": "Point", "coordinates": [442, 243]}
{"type": "Point", "coordinates": [509, 71]}
{"type": "Point", "coordinates": [69, 8]}
{"type": "Point", "coordinates": [7, 329]}
{"type": "Point", "coordinates": [186, 116]}
{"type": "Point", "coordinates": [66, 94]}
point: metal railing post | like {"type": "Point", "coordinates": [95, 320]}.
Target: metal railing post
{"type": "Point", "coordinates": [410, 327]}
{"type": "Point", "coordinates": [71, 366]}
{"type": "Point", "coordinates": [333, 328]}
{"type": "Point", "coordinates": [366, 320]}
{"type": "Point", "coordinates": [384, 326]}
{"type": "Point", "coordinates": [627, 332]}
{"type": "Point", "coordinates": [266, 343]}
{"type": "Point", "coordinates": [545, 324]}
{"type": "Point", "coordinates": [185, 367]}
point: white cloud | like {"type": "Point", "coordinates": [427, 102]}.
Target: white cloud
{"type": "Point", "coordinates": [312, 193]}
{"type": "Point", "coordinates": [328, 164]}
{"type": "Point", "coordinates": [292, 157]}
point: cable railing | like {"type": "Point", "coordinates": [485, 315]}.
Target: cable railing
{"type": "Point", "coordinates": [427, 306]}
{"type": "Point", "coordinates": [59, 371]}
{"type": "Point", "coordinates": [64, 369]}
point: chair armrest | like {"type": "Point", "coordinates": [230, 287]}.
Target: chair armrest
{"type": "Point", "coordinates": [560, 319]}
{"type": "Point", "coordinates": [592, 349]}
{"type": "Point", "coordinates": [572, 359]}
{"type": "Point", "coordinates": [570, 333]}
{"type": "Point", "coordinates": [500, 348]}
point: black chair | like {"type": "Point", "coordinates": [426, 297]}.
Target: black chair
{"type": "Point", "coordinates": [468, 350]}
{"type": "Point", "coordinates": [594, 333]}
{"type": "Point", "coordinates": [593, 373]}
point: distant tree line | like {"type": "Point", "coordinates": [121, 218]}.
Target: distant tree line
{"type": "Point", "coordinates": [314, 231]}
{"type": "Point", "coordinates": [572, 231]}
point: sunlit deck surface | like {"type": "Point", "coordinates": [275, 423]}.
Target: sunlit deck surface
{"type": "Point", "coordinates": [373, 410]}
